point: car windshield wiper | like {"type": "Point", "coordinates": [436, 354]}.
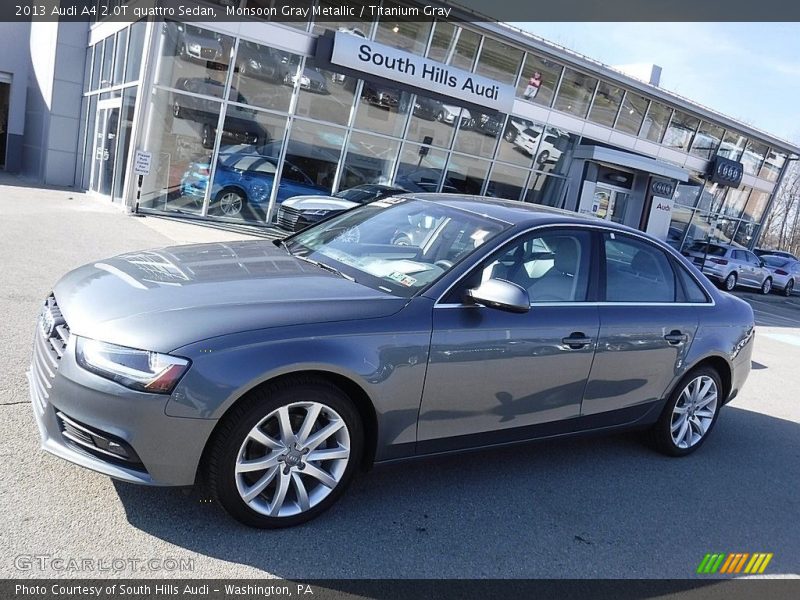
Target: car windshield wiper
{"type": "Point", "coordinates": [323, 266]}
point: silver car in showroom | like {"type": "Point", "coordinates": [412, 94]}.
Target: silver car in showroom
{"type": "Point", "coordinates": [272, 372]}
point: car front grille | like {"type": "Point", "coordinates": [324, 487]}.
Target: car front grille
{"type": "Point", "coordinates": [288, 217]}
{"type": "Point", "coordinates": [50, 342]}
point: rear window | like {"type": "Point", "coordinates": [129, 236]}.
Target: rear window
{"type": "Point", "coordinates": [775, 261]}
{"type": "Point", "coordinates": [713, 249]}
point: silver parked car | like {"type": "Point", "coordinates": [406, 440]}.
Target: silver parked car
{"type": "Point", "coordinates": [731, 266]}
{"type": "Point", "coordinates": [273, 372]}
{"type": "Point", "coordinates": [785, 272]}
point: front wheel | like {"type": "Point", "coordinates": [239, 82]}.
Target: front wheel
{"type": "Point", "coordinates": [787, 291]}
{"type": "Point", "coordinates": [766, 286]}
{"type": "Point", "coordinates": [286, 454]}
{"type": "Point", "coordinates": [690, 413]}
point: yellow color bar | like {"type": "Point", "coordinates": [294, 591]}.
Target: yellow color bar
{"type": "Point", "coordinates": [767, 558]}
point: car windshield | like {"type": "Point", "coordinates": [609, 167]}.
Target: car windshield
{"type": "Point", "coordinates": [713, 249]}
{"type": "Point", "coordinates": [775, 261]}
{"type": "Point", "coordinates": [396, 245]}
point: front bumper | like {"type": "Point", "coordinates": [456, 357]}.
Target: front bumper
{"type": "Point", "coordinates": [167, 449]}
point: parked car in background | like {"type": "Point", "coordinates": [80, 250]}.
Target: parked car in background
{"type": "Point", "coordinates": [381, 95]}
{"type": "Point", "coordinates": [488, 124]}
{"type": "Point", "coordinates": [783, 253]}
{"type": "Point", "coordinates": [241, 126]}
{"type": "Point", "coordinates": [730, 266]}
{"type": "Point", "coordinates": [261, 62]}
{"type": "Point", "coordinates": [299, 212]}
{"type": "Point", "coordinates": [785, 272]}
{"type": "Point", "coordinates": [243, 184]}
{"type": "Point", "coordinates": [193, 43]}
{"type": "Point", "coordinates": [428, 109]}
{"type": "Point", "coordinates": [450, 116]}
{"type": "Point", "coordinates": [275, 371]}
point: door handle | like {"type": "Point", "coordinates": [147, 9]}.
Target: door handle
{"type": "Point", "coordinates": [576, 340]}
{"type": "Point", "coordinates": [676, 338]}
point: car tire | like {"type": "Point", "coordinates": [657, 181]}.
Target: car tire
{"type": "Point", "coordinates": [207, 141]}
{"type": "Point", "coordinates": [543, 157]}
{"type": "Point", "coordinates": [252, 431]}
{"type": "Point", "coordinates": [729, 282]}
{"type": "Point", "coordinates": [230, 202]}
{"type": "Point", "coordinates": [510, 136]}
{"type": "Point", "coordinates": [177, 110]}
{"type": "Point", "coordinates": [766, 286]}
{"type": "Point", "coordinates": [183, 52]}
{"type": "Point", "coordinates": [678, 435]}
{"type": "Point", "coordinates": [787, 291]}
{"type": "Point", "coordinates": [439, 116]}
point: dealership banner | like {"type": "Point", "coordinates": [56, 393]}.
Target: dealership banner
{"type": "Point", "coordinates": [369, 57]}
{"type": "Point", "coordinates": [397, 589]}
{"type": "Point", "coordinates": [369, 10]}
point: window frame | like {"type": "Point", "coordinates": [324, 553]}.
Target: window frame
{"type": "Point", "coordinates": [597, 270]}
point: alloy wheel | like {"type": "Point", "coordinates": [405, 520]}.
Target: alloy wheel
{"type": "Point", "coordinates": [730, 282]}
{"type": "Point", "coordinates": [789, 288]}
{"type": "Point", "coordinates": [292, 459]}
{"type": "Point", "coordinates": [230, 204]}
{"type": "Point", "coordinates": [766, 286]}
{"type": "Point", "coordinates": [694, 412]}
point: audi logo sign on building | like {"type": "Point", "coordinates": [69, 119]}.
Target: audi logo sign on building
{"type": "Point", "coordinates": [726, 172]}
{"type": "Point", "coordinates": [659, 187]}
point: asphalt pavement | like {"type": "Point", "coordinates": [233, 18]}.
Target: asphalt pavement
{"type": "Point", "coordinates": [603, 507]}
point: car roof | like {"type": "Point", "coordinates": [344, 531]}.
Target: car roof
{"type": "Point", "coordinates": [515, 212]}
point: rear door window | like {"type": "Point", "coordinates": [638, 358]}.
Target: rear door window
{"type": "Point", "coordinates": [637, 271]}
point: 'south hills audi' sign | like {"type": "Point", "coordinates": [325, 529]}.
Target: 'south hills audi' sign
{"type": "Point", "coordinates": [357, 53]}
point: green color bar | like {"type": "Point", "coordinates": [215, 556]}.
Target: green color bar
{"type": "Point", "coordinates": [717, 564]}
{"type": "Point", "coordinates": [703, 563]}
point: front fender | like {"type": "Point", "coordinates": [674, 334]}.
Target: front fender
{"type": "Point", "coordinates": [385, 357]}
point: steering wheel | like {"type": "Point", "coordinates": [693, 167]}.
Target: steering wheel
{"type": "Point", "coordinates": [444, 264]}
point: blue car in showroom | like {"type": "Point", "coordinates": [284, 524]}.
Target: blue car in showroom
{"type": "Point", "coordinates": [243, 184]}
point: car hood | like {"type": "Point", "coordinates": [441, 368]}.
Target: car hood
{"type": "Point", "coordinates": [166, 298]}
{"type": "Point", "coordinates": [318, 203]}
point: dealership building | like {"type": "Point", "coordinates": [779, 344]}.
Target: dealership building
{"type": "Point", "coordinates": [224, 120]}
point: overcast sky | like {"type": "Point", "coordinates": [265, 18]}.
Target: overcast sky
{"type": "Point", "coordinates": [749, 71]}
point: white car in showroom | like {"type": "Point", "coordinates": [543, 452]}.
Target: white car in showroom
{"type": "Point", "coordinates": [299, 212]}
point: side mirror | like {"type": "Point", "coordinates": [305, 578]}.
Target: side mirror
{"type": "Point", "coordinates": [500, 294]}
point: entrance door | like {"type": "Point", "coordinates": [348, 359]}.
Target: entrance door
{"type": "Point", "coordinates": [610, 203]}
{"type": "Point", "coordinates": [105, 145]}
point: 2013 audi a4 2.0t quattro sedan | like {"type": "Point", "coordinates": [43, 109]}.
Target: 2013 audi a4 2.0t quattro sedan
{"type": "Point", "coordinates": [415, 325]}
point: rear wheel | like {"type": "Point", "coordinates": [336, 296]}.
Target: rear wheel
{"type": "Point", "coordinates": [787, 291]}
{"type": "Point", "coordinates": [690, 413]}
{"type": "Point", "coordinates": [229, 203]}
{"type": "Point", "coordinates": [286, 454]}
{"type": "Point", "coordinates": [766, 286]}
{"type": "Point", "coordinates": [730, 282]}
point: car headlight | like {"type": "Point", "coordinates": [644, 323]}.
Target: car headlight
{"type": "Point", "coordinates": [194, 47]}
{"type": "Point", "coordinates": [136, 369]}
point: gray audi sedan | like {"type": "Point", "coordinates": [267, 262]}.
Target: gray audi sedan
{"type": "Point", "coordinates": [272, 372]}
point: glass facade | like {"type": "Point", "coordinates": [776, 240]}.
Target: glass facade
{"type": "Point", "coordinates": [237, 126]}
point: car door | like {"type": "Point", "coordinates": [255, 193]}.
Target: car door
{"type": "Point", "coordinates": [747, 269]}
{"type": "Point", "coordinates": [646, 328]}
{"type": "Point", "coordinates": [758, 273]}
{"type": "Point", "coordinates": [496, 376]}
